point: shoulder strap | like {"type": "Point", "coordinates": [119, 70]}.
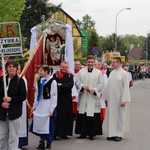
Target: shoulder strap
{"type": "Point", "coordinates": [18, 80]}
{"type": "Point", "coordinates": [50, 81]}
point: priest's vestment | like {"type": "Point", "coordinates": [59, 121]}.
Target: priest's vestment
{"type": "Point", "coordinates": [115, 92]}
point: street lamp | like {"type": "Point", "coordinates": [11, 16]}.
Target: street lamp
{"type": "Point", "coordinates": [116, 26]}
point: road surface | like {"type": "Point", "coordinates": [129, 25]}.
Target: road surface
{"type": "Point", "coordinates": [138, 139]}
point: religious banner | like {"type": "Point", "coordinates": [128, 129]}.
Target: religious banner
{"type": "Point", "coordinates": [109, 56]}
{"type": "Point", "coordinates": [50, 46]}
{"type": "Point", "coordinates": [121, 57]}
{"type": "Point", "coordinates": [54, 50]}
{"type": "Point", "coordinates": [30, 70]}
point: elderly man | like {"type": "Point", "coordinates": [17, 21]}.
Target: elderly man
{"type": "Point", "coordinates": [77, 68]}
{"type": "Point", "coordinates": [64, 121]}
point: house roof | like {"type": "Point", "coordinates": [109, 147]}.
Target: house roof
{"type": "Point", "coordinates": [73, 20]}
{"type": "Point", "coordinates": [135, 53]}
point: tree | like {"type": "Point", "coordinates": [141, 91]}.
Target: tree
{"type": "Point", "coordinates": [147, 47]}
{"type": "Point", "coordinates": [93, 40]}
{"type": "Point", "coordinates": [11, 10]}
{"type": "Point", "coordinates": [133, 39]}
{"type": "Point", "coordinates": [122, 47]}
{"type": "Point", "coordinates": [109, 43]}
{"type": "Point", "coordinates": [86, 23]}
{"type": "Point", "coordinates": [79, 24]}
{"type": "Point", "coordinates": [32, 14]}
{"type": "Point", "coordinates": [88, 26]}
{"type": "Point", "coordinates": [101, 42]}
{"type": "Point", "coordinates": [123, 43]}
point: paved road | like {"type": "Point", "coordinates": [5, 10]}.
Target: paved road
{"type": "Point", "coordinates": [138, 139]}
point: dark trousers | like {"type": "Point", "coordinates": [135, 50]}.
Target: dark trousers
{"type": "Point", "coordinates": [88, 126]}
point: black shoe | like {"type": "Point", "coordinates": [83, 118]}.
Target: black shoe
{"type": "Point", "coordinates": [82, 137]}
{"type": "Point", "coordinates": [41, 145]}
{"type": "Point", "coordinates": [111, 138]}
{"type": "Point", "coordinates": [65, 137]}
{"type": "Point", "coordinates": [91, 138]}
{"type": "Point", "coordinates": [48, 146]}
{"type": "Point", "coordinates": [118, 139]}
{"type": "Point", "coordinates": [55, 138]}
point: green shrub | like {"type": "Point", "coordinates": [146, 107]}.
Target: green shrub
{"type": "Point", "coordinates": [21, 61]}
{"type": "Point", "coordinates": [82, 60]}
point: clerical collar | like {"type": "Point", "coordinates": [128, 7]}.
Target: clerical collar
{"type": "Point", "coordinates": [90, 69]}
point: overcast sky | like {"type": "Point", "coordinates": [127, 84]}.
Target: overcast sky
{"type": "Point", "coordinates": [103, 12]}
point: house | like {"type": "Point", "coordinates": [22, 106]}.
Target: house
{"type": "Point", "coordinates": [135, 53]}
{"type": "Point", "coordinates": [63, 16]}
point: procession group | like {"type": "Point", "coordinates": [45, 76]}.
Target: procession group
{"type": "Point", "coordinates": [99, 87]}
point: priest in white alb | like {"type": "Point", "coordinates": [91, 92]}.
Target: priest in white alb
{"type": "Point", "coordinates": [89, 82]}
{"type": "Point", "coordinates": [117, 96]}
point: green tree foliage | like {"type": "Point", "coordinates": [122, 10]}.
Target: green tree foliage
{"type": "Point", "coordinates": [88, 26]}
{"type": "Point", "coordinates": [123, 43]}
{"type": "Point", "coordinates": [133, 39]}
{"type": "Point", "coordinates": [122, 47]}
{"type": "Point", "coordinates": [109, 43]}
{"type": "Point", "coordinates": [86, 23]}
{"type": "Point", "coordinates": [147, 47]}
{"type": "Point", "coordinates": [79, 24]}
{"type": "Point", "coordinates": [93, 40]}
{"type": "Point", "coordinates": [11, 10]}
{"type": "Point", "coordinates": [32, 14]}
{"type": "Point", "coordinates": [101, 42]}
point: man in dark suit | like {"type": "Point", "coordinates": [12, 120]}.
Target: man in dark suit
{"type": "Point", "coordinates": [64, 120]}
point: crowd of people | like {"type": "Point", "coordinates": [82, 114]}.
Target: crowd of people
{"type": "Point", "coordinates": [139, 71]}
{"type": "Point", "coordinates": [100, 87]}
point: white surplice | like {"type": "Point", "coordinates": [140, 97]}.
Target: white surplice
{"type": "Point", "coordinates": [23, 119]}
{"type": "Point", "coordinates": [41, 115]}
{"type": "Point", "coordinates": [89, 103]}
{"type": "Point", "coordinates": [116, 91]}
{"type": "Point", "coordinates": [103, 104]}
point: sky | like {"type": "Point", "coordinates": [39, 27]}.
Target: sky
{"type": "Point", "coordinates": [103, 12]}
